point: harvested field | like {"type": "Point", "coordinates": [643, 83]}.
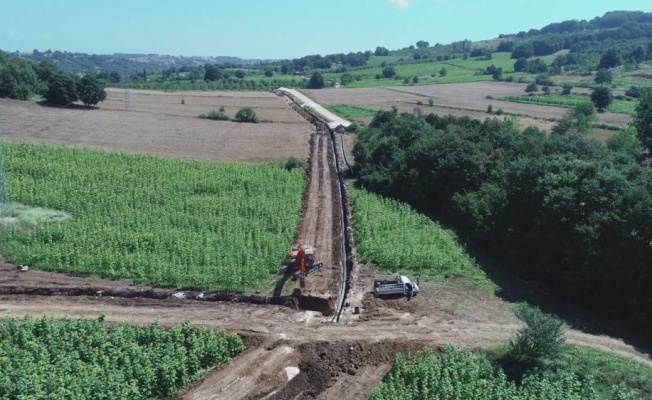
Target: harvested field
{"type": "Point", "coordinates": [157, 123]}
{"type": "Point", "coordinates": [455, 98]}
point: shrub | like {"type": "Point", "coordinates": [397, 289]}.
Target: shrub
{"type": "Point", "coordinates": [216, 115]}
{"type": "Point", "coordinates": [431, 102]}
{"type": "Point", "coordinates": [499, 111]}
{"type": "Point", "coordinates": [292, 163]}
{"type": "Point", "coordinates": [354, 127]}
{"type": "Point", "coordinates": [531, 87]}
{"type": "Point", "coordinates": [419, 102]}
{"type": "Point", "coordinates": [567, 89]}
{"type": "Point", "coordinates": [490, 109]}
{"type": "Point", "coordinates": [246, 114]}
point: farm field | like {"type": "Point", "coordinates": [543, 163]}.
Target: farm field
{"type": "Point", "coordinates": [457, 70]}
{"type": "Point", "coordinates": [457, 99]}
{"type": "Point", "coordinates": [400, 240]}
{"type": "Point", "coordinates": [570, 101]}
{"type": "Point", "coordinates": [87, 359]}
{"type": "Point", "coordinates": [152, 220]}
{"type": "Point", "coordinates": [158, 123]}
{"type": "Point", "coordinates": [333, 361]}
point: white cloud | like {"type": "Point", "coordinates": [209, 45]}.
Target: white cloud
{"type": "Point", "coordinates": [401, 3]}
{"type": "Point", "coordinates": [12, 32]}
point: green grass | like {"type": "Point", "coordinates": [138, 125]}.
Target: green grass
{"type": "Point", "coordinates": [87, 359]}
{"type": "Point", "coordinates": [152, 220]}
{"type": "Point", "coordinates": [609, 369]}
{"type": "Point", "coordinates": [348, 111]}
{"type": "Point", "coordinates": [570, 101]}
{"type": "Point", "coordinates": [458, 70]}
{"type": "Point", "coordinates": [400, 240]}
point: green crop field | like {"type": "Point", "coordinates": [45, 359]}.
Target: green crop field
{"type": "Point", "coordinates": [153, 220]}
{"type": "Point", "coordinates": [570, 101]}
{"type": "Point", "coordinates": [457, 70]}
{"type": "Point", "coordinates": [348, 111]}
{"type": "Point", "coordinates": [462, 374]}
{"type": "Point", "coordinates": [400, 240]}
{"type": "Point", "coordinates": [86, 359]}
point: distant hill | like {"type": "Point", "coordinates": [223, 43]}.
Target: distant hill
{"type": "Point", "coordinates": [85, 63]}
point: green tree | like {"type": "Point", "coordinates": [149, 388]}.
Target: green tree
{"type": "Point", "coordinates": [240, 74]}
{"type": "Point", "coordinates": [531, 87]}
{"type": "Point", "coordinates": [212, 73]}
{"type": "Point", "coordinates": [567, 89]}
{"type": "Point", "coordinates": [643, 119]}
{"type": "Point", "coordinates": [389, 72]}
{"type": "Point", "coordinates": [62, 90]}
{"type": "Point", "coordinates": [603, 76]}
{"type": "Point", "coordinates": [345, 79]}
{"type": "Point", "coordinates": [269, 73]}
{"type": "Point", "coordinates": [422, 44]}
{"type": "Point", "coordinates": [442, 72]}
{"type": "Point", "coordinates": [316, 81]}
{"type": "Point", "coordinates": [115, 77]}
{"type": "Point", "coordinates": [626, 142]}
{"type": "Point", "coordinates": [415, 79]}
{"type": "Point", "coordinates": [246, 114]}
{"type": "Point", "coordinates": [90, 90]}
{"type": "Point", "coordinates": [541, 340]}
{"type": "Point", "coordinates": [610, 59]}
{"type": "Point", "coordinates": [497, 74]}
{"type": "Point", "coordinates": [601, 97]}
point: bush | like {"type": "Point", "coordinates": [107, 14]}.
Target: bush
{"type": "Point", "coordinates": [431, 102]}
{"type": "Point", "coordinates": [567, 89]}
{"type": "Point", "coordinates": [354, 127]}
{"type": "Point", "coordinates": [540, 341]}
{"type": "Point", "coordinates": [499, 111]}
{"type": "Point", "coordinates": [415, 79]}
{"type": "Point", "coordinates": [531, 87]}
{"type": "Point", "coordinates": [634, 92]}
{"type": "Point", "coordinates": [246, 114]}
{"type": "Point", "coordinates": [490, 109]}
{"type": "Point", "coordinates": [292, 163]}
{"type": "Point", "coordinates": [216, 115]}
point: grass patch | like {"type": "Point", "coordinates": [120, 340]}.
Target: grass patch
{"type": "Point", "coordinates": [609, 369]}
{"type": "Point", "coordinates": [401, 240]}
{"type": "Point", "coordinates": [153, 220]}
{"type": "Point", "coordinates": [347, 111]}
{"type": "Point", "coordinates": [570, 101]}
{"type": "Point", "coordinates": [26, 217]}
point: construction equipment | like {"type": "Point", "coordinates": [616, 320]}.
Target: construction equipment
{"type": "Point", "coordinates": [400, 285]}
{"type": "Point", "coordinates": [302, 262]}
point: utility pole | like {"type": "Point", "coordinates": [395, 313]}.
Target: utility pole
{"type": "Point", "coordinates": [127, 99]}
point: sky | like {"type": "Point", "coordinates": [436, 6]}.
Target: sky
{"type": "Point", "coordinates": [274, 29]}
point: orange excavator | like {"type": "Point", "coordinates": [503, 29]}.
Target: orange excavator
{"type": "Point", "coordinates": [302, 262]}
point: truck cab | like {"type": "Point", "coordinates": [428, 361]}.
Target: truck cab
{"type": "Point", "coordinates": [401, 285]}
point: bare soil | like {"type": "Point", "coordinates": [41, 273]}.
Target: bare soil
{"type": "Point", "coordinates": [157, 123]}
{"type": "Point", "coordinates": [454, 98]}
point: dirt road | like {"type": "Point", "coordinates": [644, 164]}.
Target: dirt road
{"type": "Point", "coordinates": [348, 357]}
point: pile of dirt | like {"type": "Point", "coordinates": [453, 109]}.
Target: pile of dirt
{"type": "Point", "coordinates": [323, 363]}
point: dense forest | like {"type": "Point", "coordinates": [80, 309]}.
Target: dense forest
{"type": "Point", "coordinates": [563, 210]}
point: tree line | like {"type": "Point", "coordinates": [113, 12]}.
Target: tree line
{"type": "Point", "coordinates": [22, 79]}
{"type": "Point", "coordinates": [563, 210]}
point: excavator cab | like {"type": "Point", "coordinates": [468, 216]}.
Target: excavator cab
{"type": "Point", "coordinates": [302, 262]}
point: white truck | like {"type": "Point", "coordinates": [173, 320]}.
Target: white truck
{"type": "Point", "coordinates": [400, 285]}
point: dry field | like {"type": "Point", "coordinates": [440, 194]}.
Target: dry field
{"type": "Point", "coordinates": [455, 98]}
{"type": "Point", "coordinates": [157, 123]}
